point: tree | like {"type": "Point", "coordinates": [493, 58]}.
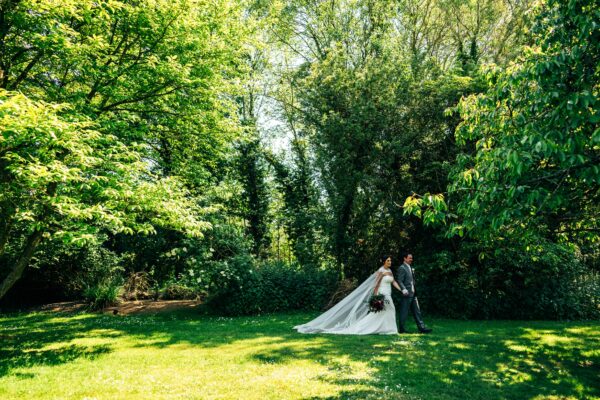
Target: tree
{"type": "Point", "coordinates": [255, 205]}
{"type": "Point", "coordinates": [540, 167]}
{"type": "Point", "coordinates": [62, 178]}
{"type": "Point", "coordinates": [534, 171]}
{"type": "Point", "coordinates": [368, 86]}
{"type": "Point", "coordinates": [300, 212]}
{"type": "Point", "coordinates": [156, 76]}
{"type": "Point", "coordinates": [251, 164]}
{"type": "Point", "coordinates": [159, 72]}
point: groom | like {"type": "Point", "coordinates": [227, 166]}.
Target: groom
{"type": "Point", "coordinates": [404, 275]}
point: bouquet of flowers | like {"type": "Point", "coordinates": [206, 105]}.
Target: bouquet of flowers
{"type": "Point", "coordinates": [376, 303]}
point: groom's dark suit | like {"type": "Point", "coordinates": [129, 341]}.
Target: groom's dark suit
{"type": "Point", "coordinates": [405, 277]}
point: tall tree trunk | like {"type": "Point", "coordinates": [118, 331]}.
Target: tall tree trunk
{"type": "Point", "coordinates": [341, 230]}
{"type": "Point", "coordinates": [30, 245]}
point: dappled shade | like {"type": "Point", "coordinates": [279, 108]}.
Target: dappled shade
{"type": "Point", "coordinates": [48, 354]}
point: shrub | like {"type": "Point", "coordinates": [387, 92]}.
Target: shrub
{"type": "Point", "coordinates": [546, 282]}
{"type": "Point", "coordinates": [176, 291]}
{"type": "Point", "coordinates": [137, 286]}
{"type": "Point", "coordinates": [63, 272]}
{"type": "Point", "coordinates": [246, 288]}
{"type": "Point", "coordinates": [169, 255]}
{"type": "Point", "coordinates": [344, 288]}
{"type": "Point", "coordinates": [102, 295]}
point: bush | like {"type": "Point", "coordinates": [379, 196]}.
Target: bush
{"type": "Point", "coordinates": [102, 295]}
{"type": "Point", "coordinates": [447, 285]}
{"type": "Point", "coordinates": [344, 288]}
{"type": "Point", "coordinates": [63, 272]}
{"type": "Point", "coordinates": [168, 255]}
{"type": "Point", "coordinates": [137, 286]}
{"type": "Point", "coordinates": [176, 291]}
{"type": "Point", "coordinates": [546, 282]}
{"type": "Point", "coordinates": [244, 288]}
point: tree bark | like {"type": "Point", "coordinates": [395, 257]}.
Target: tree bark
{"type": "Point", "coordinates": [17, 270]}
{"type": "Point", "coordinates": [31, 244]}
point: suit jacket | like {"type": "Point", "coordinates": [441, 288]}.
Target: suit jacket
{"type": "Point", "coordinates": [405, 278]}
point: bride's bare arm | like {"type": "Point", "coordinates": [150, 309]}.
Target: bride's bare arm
{"type": "Point", "coordinates": [377, 282]}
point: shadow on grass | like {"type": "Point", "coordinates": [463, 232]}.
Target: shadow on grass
{"type": "Point", "coordinates": [31, 340]}
{"type": "Point", "coordinates": [461, 359]}
{"type": "Point", "coordinates": [19, 358]}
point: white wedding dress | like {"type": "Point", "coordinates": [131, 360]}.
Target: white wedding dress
{"type": "Point", "coordinates": [351, 315]}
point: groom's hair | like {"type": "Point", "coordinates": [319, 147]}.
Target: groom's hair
{"type": "Point", "coordinates": [405, 254]}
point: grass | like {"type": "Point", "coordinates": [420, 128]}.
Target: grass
{"type": "Point", "coordinates": [183, 355]}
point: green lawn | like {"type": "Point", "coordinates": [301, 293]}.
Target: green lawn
{"type": "Point", "coordinates": [183, 355]}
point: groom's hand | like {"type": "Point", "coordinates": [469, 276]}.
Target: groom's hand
{"type": "Point", "coordinates": [405, 292]}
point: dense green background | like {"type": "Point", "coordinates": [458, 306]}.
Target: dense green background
{"type": "Point", "coordinates": [268, 150]}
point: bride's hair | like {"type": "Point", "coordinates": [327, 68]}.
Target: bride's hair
{"type": "Point", "coordinates": [383, 258]}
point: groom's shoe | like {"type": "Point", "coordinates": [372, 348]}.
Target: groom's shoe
{"type": "Point", "coordinates": [424, 330]}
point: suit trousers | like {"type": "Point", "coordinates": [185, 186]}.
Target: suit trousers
{"type": "Point", "coordinates": [409, 303]}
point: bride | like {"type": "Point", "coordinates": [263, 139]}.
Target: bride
{"type": "Point", "coordinates": [351, 316]}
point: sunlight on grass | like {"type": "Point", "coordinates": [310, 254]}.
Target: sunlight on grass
{"type": "Point", "coordinates": [512, 345]}
{"type": "Point", "coordinates": [185, 356]}
{"type": "Point", "coordinates": [551, 339]}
